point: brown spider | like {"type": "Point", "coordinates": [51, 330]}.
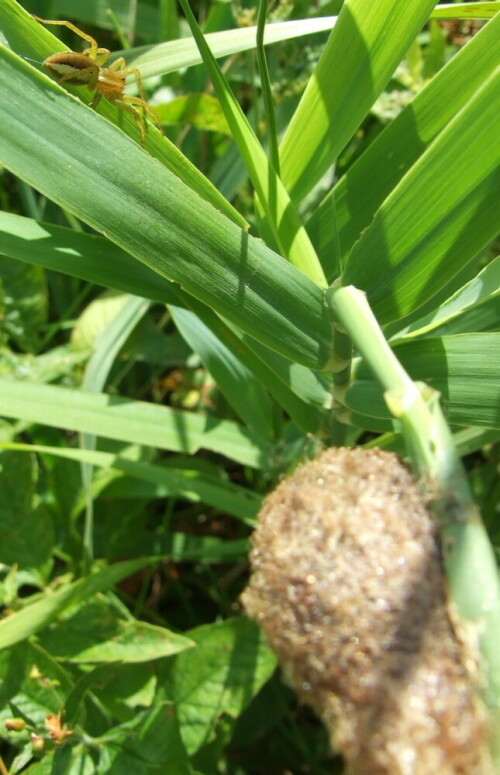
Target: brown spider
{"type": "Point", "coordinates": [109, 82]}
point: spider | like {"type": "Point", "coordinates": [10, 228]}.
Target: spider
{"type": "Point", "coordinates": [87, 68]}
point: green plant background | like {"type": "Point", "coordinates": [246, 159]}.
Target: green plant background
{"type": "Point", "coordinates": [143, 425]}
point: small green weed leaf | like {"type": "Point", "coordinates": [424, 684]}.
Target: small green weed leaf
{"type": "Point", "coordinates": [96, 633]}
{"type": "Point", "coordinates": [152, 745]}
{"type": "Point", "coordinates": [201, 110]}
{"type": "Point", "coordinates": [38, 614]}
{"type": "Point", "coordinates": [32, 684]}
{"type": "Point", "coordinates": [22, 759]}
{"type": "Point", "coordinates": [64, 760]}
{"type": "Point", "coordinates": [220, 676]}
{"type": "Point", "coordinates": [26, 529]}
{"type": "Point", "coordinates": [132, 689]}
{"type": "Point", "coordinates": [98, 677]}
{"type": "Point", "coordinates": [25, 304]}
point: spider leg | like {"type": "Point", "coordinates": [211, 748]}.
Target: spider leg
{"type": "Point", "coordinates": [92, 72]}
{"type": "Point", "coordinates": [100, 55]}
{"type": "Point", "coordinates": [145, 107]}
{"type": "Point", "coordinates": [96, 100]}
{"type": "Point", "coordinates": [94, 48]}
{"type": "Point", "coordinates": [138, 79]}
{"type": "Point", "coordinates": [118, 64]}
{"type": "Point", "coordinates": [125, 105]}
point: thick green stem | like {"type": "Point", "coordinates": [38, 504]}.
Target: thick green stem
{"type": "Point", "coordinates": [470, 562]}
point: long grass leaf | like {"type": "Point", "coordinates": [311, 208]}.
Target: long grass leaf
{"type": "Point", "coordinates": [364, 49]}
{"type": "Point", "coordinates": [282, 219]}
{"type": "Point", "coordinates": [131, 421]}
{"type": "Point", "coordinates": [89, 167]}
{"type": "Point", "coordinates": [362, 190]}
{"type": "Point", "coordinates": [443, 212]}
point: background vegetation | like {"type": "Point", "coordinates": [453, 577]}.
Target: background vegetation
{"type": "Point", "coordinates": [143, 425]}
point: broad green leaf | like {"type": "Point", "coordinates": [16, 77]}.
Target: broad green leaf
{"type": "Point", "coordinates": [150, 213]}
{"type": "Point", "coordinates": [464, 368]}
{"type": "Point", "coordinates": [26, 528]}
{"type": "Point", "coordinates": [362, 190]}
{"type": "Point", "coordinates": [38, 614]}
{"type": "Point", "coordinates": [227, 668]}
{"type": "Point", "coordinates": [96, 633]}
{"type": "Point", "coordinates": [442, 213]}
{"type": "Point", "coordinates": [364, 49]}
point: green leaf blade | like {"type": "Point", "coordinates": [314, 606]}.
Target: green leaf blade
{"type": "Point", "coordinates": [364, 49]}
{"type": "Point", "coordinates": [443, 212]}
{"type": "Point", "coordinates": [148, 212]}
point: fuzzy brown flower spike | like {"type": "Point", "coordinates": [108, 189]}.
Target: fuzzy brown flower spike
{"type": "Point", "coordinates": [347, 584]}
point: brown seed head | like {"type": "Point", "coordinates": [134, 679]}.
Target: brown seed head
{"type": "Point", "coordinates": [348, 585]}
